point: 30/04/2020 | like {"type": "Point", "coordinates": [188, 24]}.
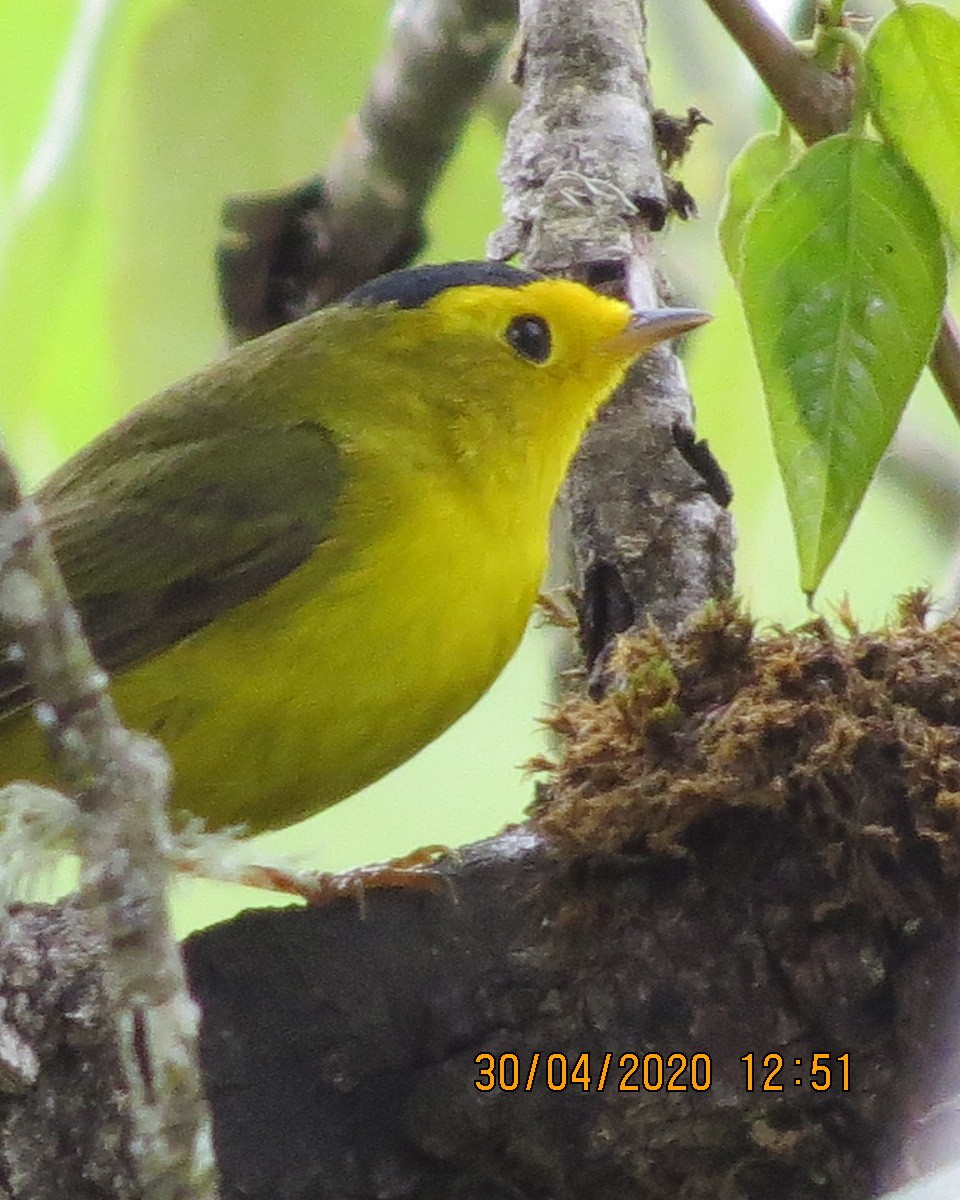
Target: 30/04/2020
{"type": "Point", "coordinates": [627, 1072]}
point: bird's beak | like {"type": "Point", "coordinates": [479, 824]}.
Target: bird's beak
{"type": "Point", "coordinates": [646, 328]}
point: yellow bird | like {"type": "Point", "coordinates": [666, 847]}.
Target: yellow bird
{"type": "Point", "coordinates": [308, 559]}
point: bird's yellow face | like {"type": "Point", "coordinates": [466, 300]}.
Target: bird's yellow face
{"type": "Point", "coordinates": [525, 368]}
{"type": "Point", "coordinates": [495, 380]}
{"type": "Point", "coordinates": [552, 347]}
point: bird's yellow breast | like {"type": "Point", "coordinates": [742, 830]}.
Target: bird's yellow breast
{"type": "Point", "coordinates": [365, 665]}
{"type": "Point", "coordinates": [341, 671]}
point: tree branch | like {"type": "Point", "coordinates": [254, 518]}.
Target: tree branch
{"type": "Point", "coordinates": [296, 250]}
{"type": "Point", "coordinates": [945, 362]}
{"type": "Point", "coordinates": [119, 782]}
{"type": "Point", "coordinates": [584, 193]}
{"type": "Point", "coordinates": [817, 103]}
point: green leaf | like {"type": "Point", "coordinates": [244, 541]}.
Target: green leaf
{"type": "Point", "coordinates": [751, 174]}
{"type": "Point", "coordinates": [843, 282]}
{"type": "Point", "coordinates": [913, 69]}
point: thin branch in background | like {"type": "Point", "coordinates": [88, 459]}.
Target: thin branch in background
{"type": "Point", "coordinates": [819, 104]}
{"type": "Point", "coordinates": [926, 471]}
{"type": "Point", "coordinates": [293, 251]}
{"type": "Point", "coordinates": [584, 193]}
{"type": "Point", "coordinates": [119, 783]}
{"type": "Point", "coordinates": [948, 602]}
{"type": "Point", "coordinates": [945, 361]}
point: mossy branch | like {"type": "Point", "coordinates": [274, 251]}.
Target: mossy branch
{"type": "Point", "coordinates": [753, 847]}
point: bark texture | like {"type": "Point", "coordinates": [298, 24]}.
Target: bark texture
{"type": "Point", "coordinates": [585, 192]}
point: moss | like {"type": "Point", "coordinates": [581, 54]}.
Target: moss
{"type": "Point", "coordinates": [849, 742]}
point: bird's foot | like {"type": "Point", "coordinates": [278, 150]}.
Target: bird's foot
{"type": "Point", "coordinates": [414, 870]}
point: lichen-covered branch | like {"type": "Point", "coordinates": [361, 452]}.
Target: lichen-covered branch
{"type": "Point", "coordinates": [295, 250]}
{"type": "Point", "coordinates": [585, 193]}
{"type": "Point", "coordinates": [118, 781]}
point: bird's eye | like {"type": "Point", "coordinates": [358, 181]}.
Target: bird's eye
{"type": "Point", "coordinates": [530, 337]}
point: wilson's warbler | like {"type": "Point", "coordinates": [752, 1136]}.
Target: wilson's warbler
{"type": "Point", "coordinates": [308, 559]}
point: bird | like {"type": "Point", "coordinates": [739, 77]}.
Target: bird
{"type": "Point", "coordinates": [307, 559]}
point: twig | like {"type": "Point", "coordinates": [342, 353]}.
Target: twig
{"type": "Point", "coordinates": [119, 783]}
{"type": "Point", "coordinates": [584, 192]}
{"type": "Point", "coordinates": [926, 472]}
{"type": "Point", "coordinates": [945, 361]}
{"type": "Point", "coordinates": [298, 249]}
{"type": "Point", "coordinates": [816, 102]}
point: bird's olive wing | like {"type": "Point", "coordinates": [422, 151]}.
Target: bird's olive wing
{"type": "Point", "coordinates": [155, 545]}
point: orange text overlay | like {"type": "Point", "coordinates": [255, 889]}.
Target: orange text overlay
{"type": "Point", "coordinates": [593, 1072]}
{"type": "Point", "coordinates": [654, 1072]}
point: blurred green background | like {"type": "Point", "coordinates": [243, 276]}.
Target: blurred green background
{"type": "Point", "coordinates": [125, 123]}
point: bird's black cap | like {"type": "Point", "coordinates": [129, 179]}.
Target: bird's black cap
{"type": "Point", "coordinates": [414, 286]}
